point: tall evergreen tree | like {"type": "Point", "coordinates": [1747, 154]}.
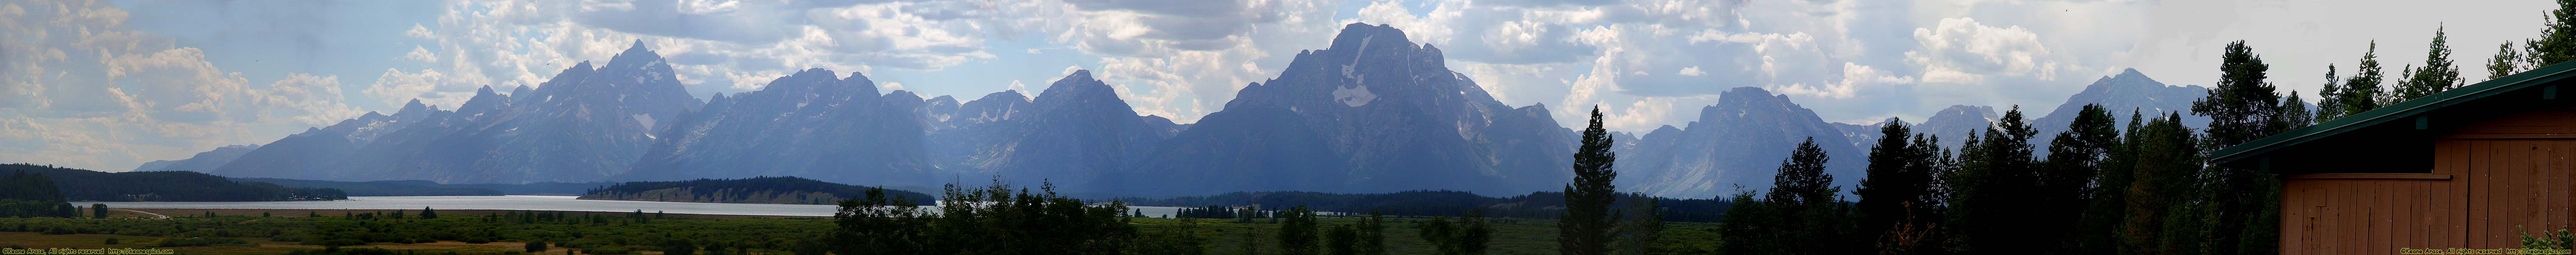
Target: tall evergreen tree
{"type": "Point", "coordinates": [1638, 233]}
{"type": "Point", "coordinates": [2294, 112]}
{"type": "Point", "coordinates": [1897, 191]}
{"type": "Point", "coordinates": [2109, 198]}
{"type": "Point", "coordinates": [1585, 227]}
{"type": "Point", "coordinates": [1802, 179]}
{"type": "Point", "coordinates": [2361, 93]}
{"type": "Point", "coordinates": [2507, 61]}
{"type": "Point", "coordinates": [2328, 107]}
{"type": "Point", "coordinates": [2242, 108]}
{"type": "Point", "coordinates": [1996, 185]}
{"type": "Point", "coordinates": [2557, 42]}
{"type": "Point", "coordinates": [2163, 158]}
{"type": "Point", "coordinates": [2437, 75]}
{"type": "Point", "coordinates": [2073, 157]}
{"type": "Point", "coordinates": [1297, 232]}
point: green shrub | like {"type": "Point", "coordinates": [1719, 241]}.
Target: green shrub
{"type": "Point", "coordinates": [111, 241]}
{"type": "Point", "coordinates": [607, 250]}
{"type": "Point", "coordinates": [202, 241]}
{"type": "Point", "coordinates": [536, 246]}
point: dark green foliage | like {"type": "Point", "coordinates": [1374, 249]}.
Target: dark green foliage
{"type": "Point", "coordinates": [2437, 75]}
{"type": "Point", "coordinates": [98, 211]}
{"type": "Point", "coordinates": [1179, 240]}
{"type": "Point", "coordinates": [1547, 204]}
{"type": "Point", "coordinates": [1297, 232]}
{"type": "Point", "coordinates": [1341, 240]}
{"type": "Point", "coordinates": [110, 241]}
{"type": "Point", "coordinates": [1456, 236]}
{"type": "Point", "coordinates": [86, 185]}
{"type": "Point", "coordinates": [680, 247]}
{"type": "Point", "coordinates": [202, 241]}
{"type": "Point", "coordinates": [988, 220]}
{"type": "Point", "coordinates": [1992, 189]}
{"type": "Point", "coordinates": [775, 190]}
{"type": "Point", "coordinates": [1372, 235]}
{"type": "Point", "coordinates": [2329, 106]}
{"type": "Point", "coordinates": [1899, 189]}
{"type": "Point", "coordinates": [1585, 228]}
{"type": "Point", "coordinates": [25, 194]}
{"type": "Point", "coordinates": [2507, 61]}
{"type": "Point", "coordinates": [2163, 157]}
{"type": "Point", "coordinates": [2074, 162]}
{"type": "Point", "coordinates": [2361, 93]}
{"type": "Point", "coordinates": [2294, 112]}
{"type": "Point", "coordinates": [808, 246]}
{"type": "Point", "coordinates": [425, 213]}
{"type": "Point", "coordinates": [2557, 42]}
{"type": "Point", "coordinates": [535, 246]}
{"type": "Point", "coordinates": [2242, 108]}
{"type": "Point", "coordinates": [1800, 215]}
{"type": "Point", "coordinates": [1636, 234]}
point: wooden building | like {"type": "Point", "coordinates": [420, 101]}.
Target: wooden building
{"type": "Point", "coordinates": [2475, 167]}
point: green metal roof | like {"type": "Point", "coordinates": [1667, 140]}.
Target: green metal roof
{"type": "Point", "coordinates": [2543, 78]}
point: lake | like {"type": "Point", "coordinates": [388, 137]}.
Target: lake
{"type": "Point", "coordinates": [541, 203]}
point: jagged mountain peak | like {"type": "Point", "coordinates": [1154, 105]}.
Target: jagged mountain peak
{"type": "Point", "coordinates": [1080, 84]}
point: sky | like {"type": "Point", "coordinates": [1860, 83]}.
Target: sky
{"type": "Point", "coordinates": [108, 85]}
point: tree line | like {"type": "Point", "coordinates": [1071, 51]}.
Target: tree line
{"type": "Point", "coordinates": [2100, 188]}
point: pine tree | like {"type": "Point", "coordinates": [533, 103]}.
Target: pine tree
{"type": "Point", "coordinates": [2294, 112]}
{"type": "Point", "coordinates": [2437, 75]}
{"type": "Point", "coordinates": [2073, 159]}
{"type": "Point", "coordinates": [2507, 61]}
{"type": "Point", "coordinates": [1372, 234]}
{"type": "Point", "coordinates": [2242, 108]}
{"type": "Point", "coordinates": [2361, 93]}
{"type": "Point", "coordinates": [1996, 182]}
{"type": "Point", "coordinates": [1898, 184]}
{"type": "Point", "coordinates": [1342, 240]}
{"type": "Point", "coordinates": [98, 211]}
{"type": "Point", "coordinates": [2329, 106]}
{"type": "Point", "coordinates": [2557, 42]}
{"type": "Point", "coordinates": [2163, 157]}
{"type": "Point", "coordinates": [426, 213]}
{"type": "Point", "coordinates": [1645, 223]}
{"type": "Point", "coordinates": [1297, 232]}
{"type": "Point", "coordinates": [1585, 227]}
{"type": "Point", "coordinates": [1802, 179]}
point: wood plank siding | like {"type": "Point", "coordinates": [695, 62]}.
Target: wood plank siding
{"type": "Point", "coordinates": [2490, 182]}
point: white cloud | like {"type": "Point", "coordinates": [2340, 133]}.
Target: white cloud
{"type": "Point", "coordinates": [1854, 77]}
{"type": "Point", "coordinates": [420, 54]}
{"type": "Point", "coordinates": [1961, 50]}
{"type": "Point", "coordinates": [418, 31]}
{"type": "Point", "coordinates": [1691, 71]}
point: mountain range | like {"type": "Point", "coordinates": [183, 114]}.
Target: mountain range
{"type": "Point", "coordinates": [1372, 112]}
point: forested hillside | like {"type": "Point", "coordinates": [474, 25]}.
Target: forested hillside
{"type": "Point", "coordinates": [86, 185]}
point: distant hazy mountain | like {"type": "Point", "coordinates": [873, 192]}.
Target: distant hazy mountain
{"type": "Point", "coordinates": [811, 124]}
{"type": "Point", "coordinates": [202, 162]}
{"type": "Point", "coordinates": [584, 124]}
{"type": "Point", "coordinates": [2123, 93]}
{"type": "Point", "coordinates": [1739, 141]}
{"type": "Point", "coordinates": [1074, 132]}
{"type": "Point", "coordinates": [1375, 112]}
{"type": "Point", "coordinates": [1953, 124]}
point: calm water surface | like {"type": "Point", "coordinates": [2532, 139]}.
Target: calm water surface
{"type": "Point", "coordinates": [544, 203]}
